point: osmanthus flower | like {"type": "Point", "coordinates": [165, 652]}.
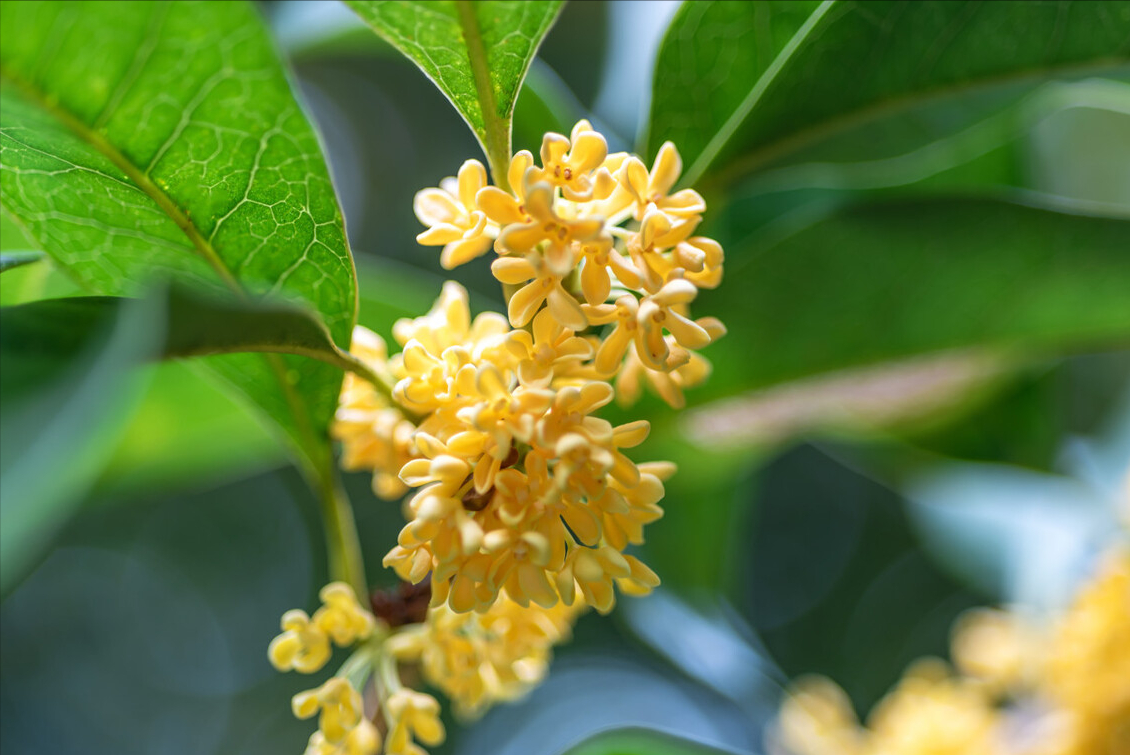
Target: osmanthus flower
{"type": "Point", "coordinates": [375, 435]}
{"type": "Point", "coordinates": [454, 220]}
{"type": "Point", "coordinates": [1087, 668]}
{"type": "Point", "coordinates": [652, 188]}
{"type": "Point", "coordinates": [539, 284]}
{"type": "Point", "coordinates": [478, 659]}
{"type": "Point", "coordinates": [304, 645]}
{"type": "Point", "coordinates": [1020, 686]}
{"type": "Point", "coordinates": [523, 501]}
{"type": "Point", "coordinates": [576, 163]}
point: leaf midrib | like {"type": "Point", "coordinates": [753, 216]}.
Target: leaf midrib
{"type": "Point", "coordinates": [771, 150]}
{"type": "Point", "coordinates": [798, 140]}
{"type": "Point", "coordinates": [496, 130]}
{"type": "Point", "coordinates": [134, 173]}
{"type": "Point", "coordinates": [202, 246]}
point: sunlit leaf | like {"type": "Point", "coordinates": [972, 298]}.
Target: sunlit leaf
{"type": "Point", "coordinates": [163, 138]}
{"type": "Point", "coordinates": [477, 53]}
{"type": "Point", "coordinates": [739, 86]}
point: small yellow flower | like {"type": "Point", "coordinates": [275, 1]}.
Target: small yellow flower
{"type": "Point", "coordinates": [549, 351]}
{"type": "Point", "coordinates": [603, 266]}
{"type": "Point", "coordinates": [542, 286]}
{"type": "Point", "coordinates": [413, 715]}
{"type": "Point", "coordinates": [453, 218]}
{"type": "Point", "coordinates": [303, 646]}
{"type": "Point", "coordinates": [362, 739]}
{"type": "Point", "coordinates": [570, 162]}
{"type": "Point", "coordinates": [652, 188]}
{"type": "Point", "coordinates": [546, 230]}
{"type": "Point", "coordinates": [816, 718]}
{"type": "Point", "coordinates": [593, 572]}
{"type": "Point", "coordinates": [340, 705]}
{"type": "Point", "coordinates": [341, 616]}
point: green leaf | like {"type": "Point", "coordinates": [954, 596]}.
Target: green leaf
{"type": "Point", "coordinates": [745, 85]}
{"type": "Point", "coordinates": [164, 139]}
{"type": "Point", "coordinates": [9, 260]}
{"type": "Point", "coordinates": [638, 741]}
{"type": "Point", "coordinates": [477, 53]}
{"type": "Point", "coordinates": [186, 433]}
{"type": "Point", "coordinates": [68, 388]}
{"type": "Point", "coordinates": [881, 282]}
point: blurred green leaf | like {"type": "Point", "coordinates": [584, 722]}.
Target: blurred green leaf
{"type": "Point", "coordinates": [68, 388]}
{"type": "Point", "coordinates": [186, 433]}
{"type": "Point", "coordinates": [476, 53]}
{"type": "Point", "coordinates": [881, 282]}
{"type": "Point", "coordinates": [164, 139]}
{"type": "Point", "coordinates": [634, 741]}
{"type": "Point", "coordinates": [745, 85]}
{"type": "Point", "coordinates": [1020, 148]}
{"type": "Point", "coordinates": [9, 260]}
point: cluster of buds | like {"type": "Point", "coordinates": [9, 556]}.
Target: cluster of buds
{"type": "Point", "coordinates": [1018, 686]}
{"type": "Point", "coordinates": [525, 500]}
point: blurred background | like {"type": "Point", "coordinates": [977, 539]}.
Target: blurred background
{"type": "Point", "coordinates": [836, 525]}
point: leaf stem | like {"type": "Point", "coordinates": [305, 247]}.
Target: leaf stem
{"type": "Point", "coordinates": [342, 543]}
{"type": "Point", "coordinates": [496, 128]}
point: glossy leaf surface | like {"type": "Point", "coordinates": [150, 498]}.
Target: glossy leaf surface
{"type": "Point", "coordinates": [739, 86]}
{"type": "Point", "coordinates": [163, 139]}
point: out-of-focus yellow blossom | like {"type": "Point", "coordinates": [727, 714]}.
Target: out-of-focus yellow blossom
{"type": "Point", "coordinates": [375, 436]}
{"type": "Point", "coordinates": [479, 659]}
{"type": "Point", "coordinates": [412, 715]}
{"type": "Point", "coordinates": [994, 647]}
{"type": "Point", "coordinates": [931, 712]}
{"type": "Point", "coordinates": [304, 644]}
{"type": "Point", "coordinates": [817, 719]}
{"type": "Point", "coordinates": [1021, 690]}
{"type": "Point", "coordinates": [341, 616]}
{"type": "Point", "coordinates": [1087, 672]}
{"type": "Point", "coordinates": [362, 739]}
{"type": "Point", "coordinates": [340, 706]}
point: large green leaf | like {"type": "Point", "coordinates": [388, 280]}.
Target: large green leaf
{"type": "Point", "coordinates": [164, 139]}
{"type": "Point", "coordinates": [744, 85]}
{"type": "Point", "coordinates": [477, 53]}
{"type": "Point", "coordinates": [870, 284]}
{"type": "Point", "coordinates": [68, 388]}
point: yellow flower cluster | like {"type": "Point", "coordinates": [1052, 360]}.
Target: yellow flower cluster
{"type": "Point", "coordinates": [520, 487]}
{"type": "Point", "coordinates": [479, 659]}
{"type": "Point", "coordinates": [1018, 688]}
{"type": "Point", "coordinates": [525, 500]}
{"type": "Point", "coordinates": [304, 646]}
{"type": "Point", "coordinates": [598, 239]}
